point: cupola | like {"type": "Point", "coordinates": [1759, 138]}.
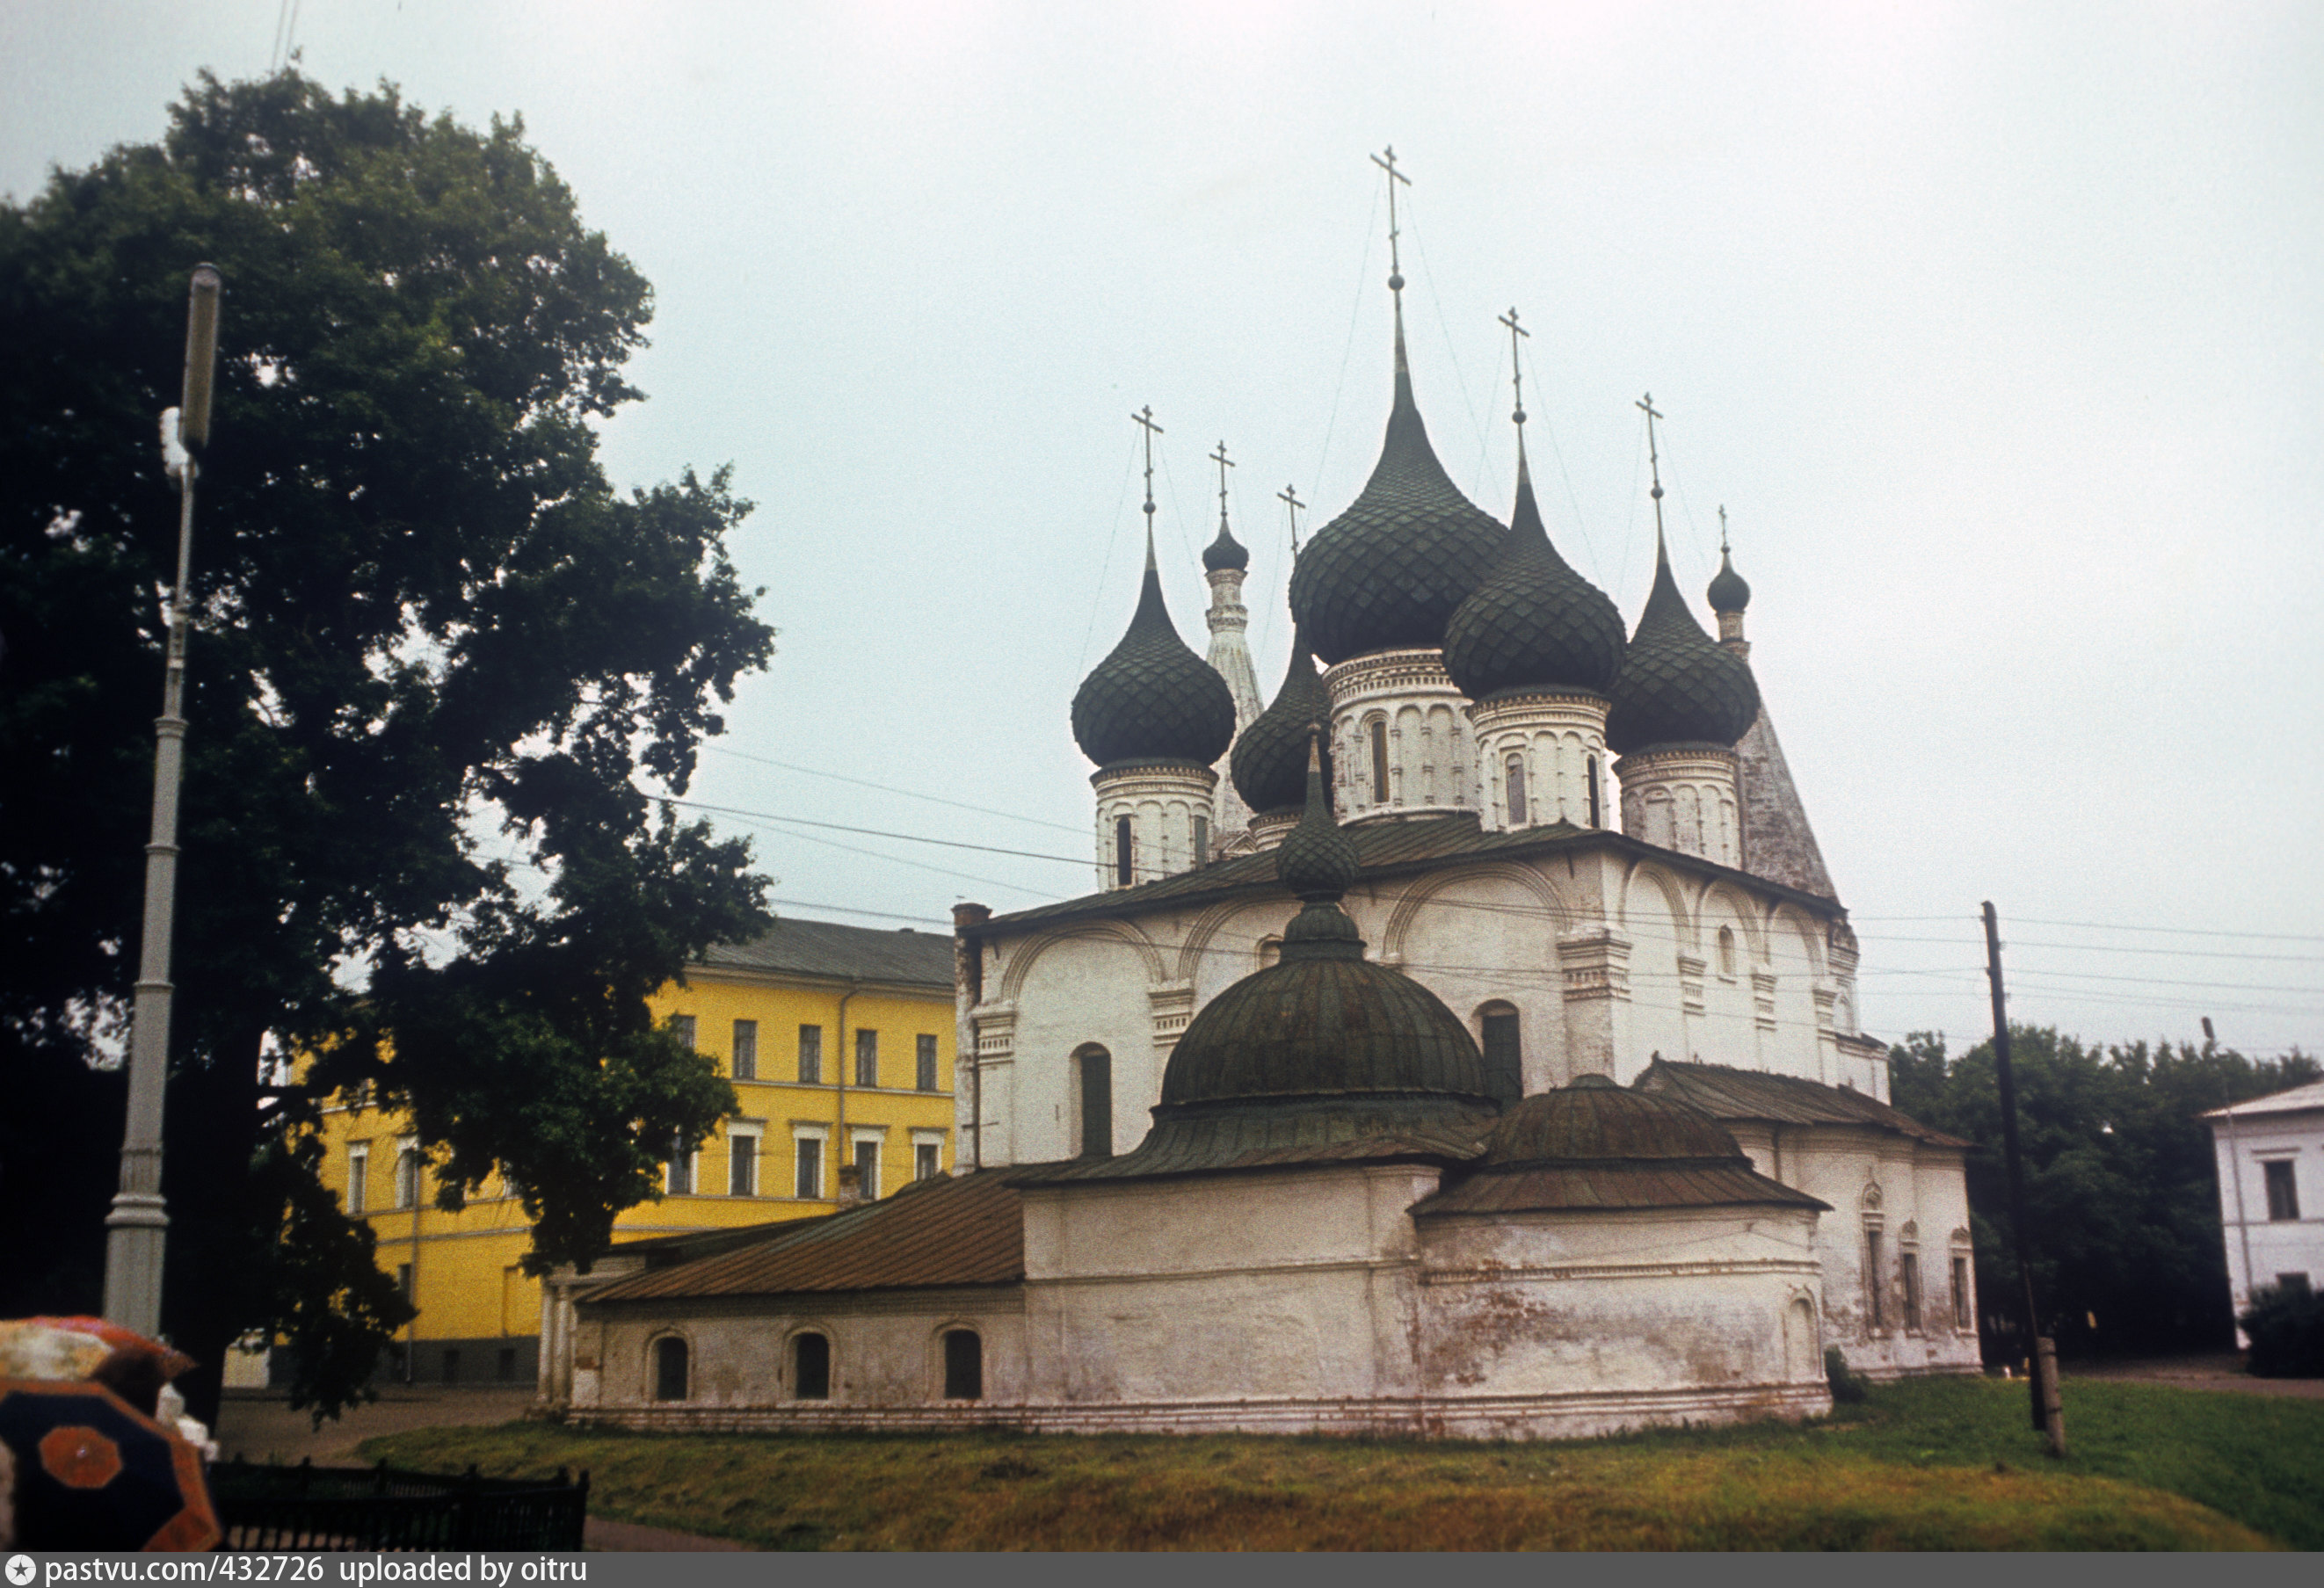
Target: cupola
{"type": "Point", "coordinates": [1728, 596]}
{"type": "Point", "coordinates": [1269, 764]}
{"type": "Point", "coordinates": [1534, 623]}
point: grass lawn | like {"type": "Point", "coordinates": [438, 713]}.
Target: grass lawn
{"type": "Point", "coordinates": [1947, 1463]}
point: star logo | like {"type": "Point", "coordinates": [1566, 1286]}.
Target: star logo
{"type": "Point", "coordinates": [20, 1569]}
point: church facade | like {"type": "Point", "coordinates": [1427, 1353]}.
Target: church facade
{"type": "Point", "coordinates": [1477, 1054]}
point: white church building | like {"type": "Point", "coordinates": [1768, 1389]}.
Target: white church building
{"type": "Point", "coordinates": [1476, 1055]}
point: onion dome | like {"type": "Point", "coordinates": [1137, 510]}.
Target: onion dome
{"type": "Point", "coordinates": [1269, 765]}
{"type": "Point", "coordinates": [1152, 699]}
{"type": "Point", "coordinates": [1324, 1026]}
{"type": "Point", "coordinates": [1729, 593]}
{"type": "Point", "coordinates": [1677, 684]}
{"type": "Point", "coordinates": [1534, 623]}
{"type": "Point", "coordinates": [1391, 570]}
{"type": "Point", "coordinates": [1226, 551]}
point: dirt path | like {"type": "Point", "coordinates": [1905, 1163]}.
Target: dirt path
{"type": "Point", "coordinates": [2221, 1370]}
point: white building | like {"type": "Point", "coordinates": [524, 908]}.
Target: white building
{"type": "Point", "coordinates": [2270, 1154]}
{"type": "Point", "coordinates": [1502, 1076]}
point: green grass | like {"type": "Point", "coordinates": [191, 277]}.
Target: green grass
{"type": "Point", "coordinates": [1934, 1465]}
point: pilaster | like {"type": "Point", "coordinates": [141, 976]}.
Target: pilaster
{"type": "Point", "coordinates": [1397, 715]}
{"type": "Point", "coordinates": [1596, 965]}
{"type": "Point", "coordinates": [1167, 806]}
{"type": "Point", "coordinates": [1683, 797]}
{"type": "Point", "coordinates": [1558, 738]}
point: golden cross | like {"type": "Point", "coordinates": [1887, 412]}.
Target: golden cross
{"type": "Point", "coordinates": [1386, 162]}
{"type": "Point", "coordinates": [1145, 418]}
{"type": "Point", "coordinates": [1224, 462]}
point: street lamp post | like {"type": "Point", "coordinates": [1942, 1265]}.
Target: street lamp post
{"type": "Point", "coordinates": [136, 1228]}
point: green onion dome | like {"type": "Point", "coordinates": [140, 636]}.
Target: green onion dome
{"type": "Point", "coordinates": [1593, 1118]}
{"type": "Point", "coordinates": [1324, 1026]}
{"type": "Point", "coordinates": [1226, 551]}
{"type": "Point", "coordinates": [1390, 571]}
{"type": "Point", "coordinates": [1269, 765]}
{"type": "Point", "coordinates": [1534, 623]}
{"type": "Point", "coordinates": [1729, 593]}
{"type": "Point", "coordinates": [1152, 699]}
{"type": "Point", "coordinates": [1677, 684]}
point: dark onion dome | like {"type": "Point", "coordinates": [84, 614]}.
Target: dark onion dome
{"type": "Point", "coordinates": [1152, 699]}
{"type": "Point", "coordinates": [1729, 591]}
{"type": "Point", "coordinates": [1595, 1147]}
{"type": "Point", "coordinates": [1390, 571]}
{"type": "Point", "coordinates": [1677, 684]}
{"type": "Point", "coordinates": [1534, 623]}
{"type": "Point", "coordinates": [1269, 765]}
{"type": "Point", "coordinates": [1324, 1025]}
{"type": "Point", "coordinates": [1226, 551]}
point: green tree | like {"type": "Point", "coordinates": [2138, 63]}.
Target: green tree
{"type": "Point", "coordinates": [433, 648]}
{"type": "Point", "coordinates": [2121, 1192]}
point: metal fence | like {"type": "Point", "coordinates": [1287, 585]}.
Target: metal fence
{"type": "Point", "coordinates": [307, 1507]}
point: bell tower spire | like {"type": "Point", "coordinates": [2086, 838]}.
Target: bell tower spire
{"type": "Point", "coordinates": [1224, 563]}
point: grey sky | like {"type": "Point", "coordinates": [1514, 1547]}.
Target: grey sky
{"type": "Point", "coordinates": [1998, 329]}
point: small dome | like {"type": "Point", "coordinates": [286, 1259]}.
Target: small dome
{"type": "Point", "coordinates": [1152, 699]}
{"type": "Point", "coordinates": [1391, 570]}
{"type": "Point", "coordinates": [1534, 622]}
{"type": "Point", "coordinates": [1226, 551]}
{"type": "Point", "coordinates": [1593, 1120]}
{"type": "Point", "coordinates": [1677, 684]}
{"type": "Point", "coordinates": [1269, 765]}
{"type": "Point", "coordinates": [1729, 593]}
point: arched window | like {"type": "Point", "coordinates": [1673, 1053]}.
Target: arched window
{"type": "Point", "coordinates": [1727, 951]}
{"type": "Point", "coordinates": [1504, 1051]}
{"type": "Point", "coordinates": [810, 1367]}
{"type": "Point", "coordinates": [670, 1368]}
{"type": "Point", "coordinates": [1513, 783]}
{"type": "Point", "coordinates": [1096, 1067]}
{"type": "Point", "coordinates": [963, 1353]}
{"type": "Point", "coordinates": [1270, 951]}
{"type": "Point", "coordinates": [1202, 840]}
{"type": "Point", "coordinates": [1121, 851]}
{"type": "Point", "coordinates": [1380, 761]}
{"type": "Point", "coordinates": [1594, 820]}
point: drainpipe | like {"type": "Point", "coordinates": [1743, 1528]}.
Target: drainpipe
{"type": "Point", "coordinates": [841, 1058]}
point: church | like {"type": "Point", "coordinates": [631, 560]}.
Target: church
{"type": "Point", "coordinates": [1462, 1042]}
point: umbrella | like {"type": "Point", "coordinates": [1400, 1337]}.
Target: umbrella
{"type": "Point", "coordinates": [92, 1472]}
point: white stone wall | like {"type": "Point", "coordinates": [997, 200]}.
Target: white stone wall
{"type": "Point", "coordinates": [1560, 738]}
{"type": "Point", "coordinates": [1915, 1196]}
{"type": "Point", "coordinates": [1431, 758]}
{"type": "Point", "coordinates": [1684, 799]}
{"type": "Point", "coordinates": [886, 1349]}
{"type": "Point", "coordinates": [2276, 1246]}
{"type": "Point", "coordinates": [1162, 802]}
{"type": "Point", "coordinates": [1638, 1300]}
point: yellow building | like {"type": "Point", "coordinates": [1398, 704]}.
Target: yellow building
{"type": "Point", "coordinates": [839, 1041]}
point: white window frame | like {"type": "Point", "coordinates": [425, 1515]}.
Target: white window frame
{"type": "Point", "coordinates": [927, 1137]}
{"type": "Point", "coordinates": [407, 1186]}
{"type": "Point", "coordinates": [820, 1134]}
{"type": "Point", "coordinates": [877, 1135]}
{"type": "Point", "coordinates": [693, 1175]}
{"type": "Point", "coordinates": [358, 1174]}
{"type": "Point", "coordinates": [736, 1137]}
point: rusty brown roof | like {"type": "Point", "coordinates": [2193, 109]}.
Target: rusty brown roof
{"type": "Point", "coordinates": [952, 1230]}
{"type": "Point", "coordinates": [1383, 848]}
{"type": "Point", "coordinates": [1726, 1093]}
{"type": "Point", "coordinates": [828, 950]}
{"type": "Point", "coordinates": [1609, 1185]}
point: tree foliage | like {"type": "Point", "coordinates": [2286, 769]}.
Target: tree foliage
{"type": "Point", "coordinates": [2121, 1192]}
{"type": "Point", "coordinates": [433, 650]}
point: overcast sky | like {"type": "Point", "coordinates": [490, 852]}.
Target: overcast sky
{"type": "Point", "coordinates": [1998, 330]}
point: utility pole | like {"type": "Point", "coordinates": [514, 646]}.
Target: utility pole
{"type": "Point", "coordinates": [2049, 1416]}
{"type": "Point", "coordinates": [138, 1226]}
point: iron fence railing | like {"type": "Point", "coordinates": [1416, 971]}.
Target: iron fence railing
{"type": "Point", "coordinates": [307, 1507]}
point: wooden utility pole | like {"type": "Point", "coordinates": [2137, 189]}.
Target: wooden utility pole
{"type": "Point", "coordinates": [2048, 1417]}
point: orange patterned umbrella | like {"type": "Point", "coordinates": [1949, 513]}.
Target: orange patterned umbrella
{"type": "Point", "coordinates": [92, 1472]}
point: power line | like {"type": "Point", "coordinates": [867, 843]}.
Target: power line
{"type": "Point", "coordinates": [888, 788]}
{"type": "Point", "coordinates": [949, 843]}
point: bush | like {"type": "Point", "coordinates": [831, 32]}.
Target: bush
{"type": "Point", "coordinates": [1845, 1387]}
{"type": "Point", "coordinates": [2287, 1333]}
